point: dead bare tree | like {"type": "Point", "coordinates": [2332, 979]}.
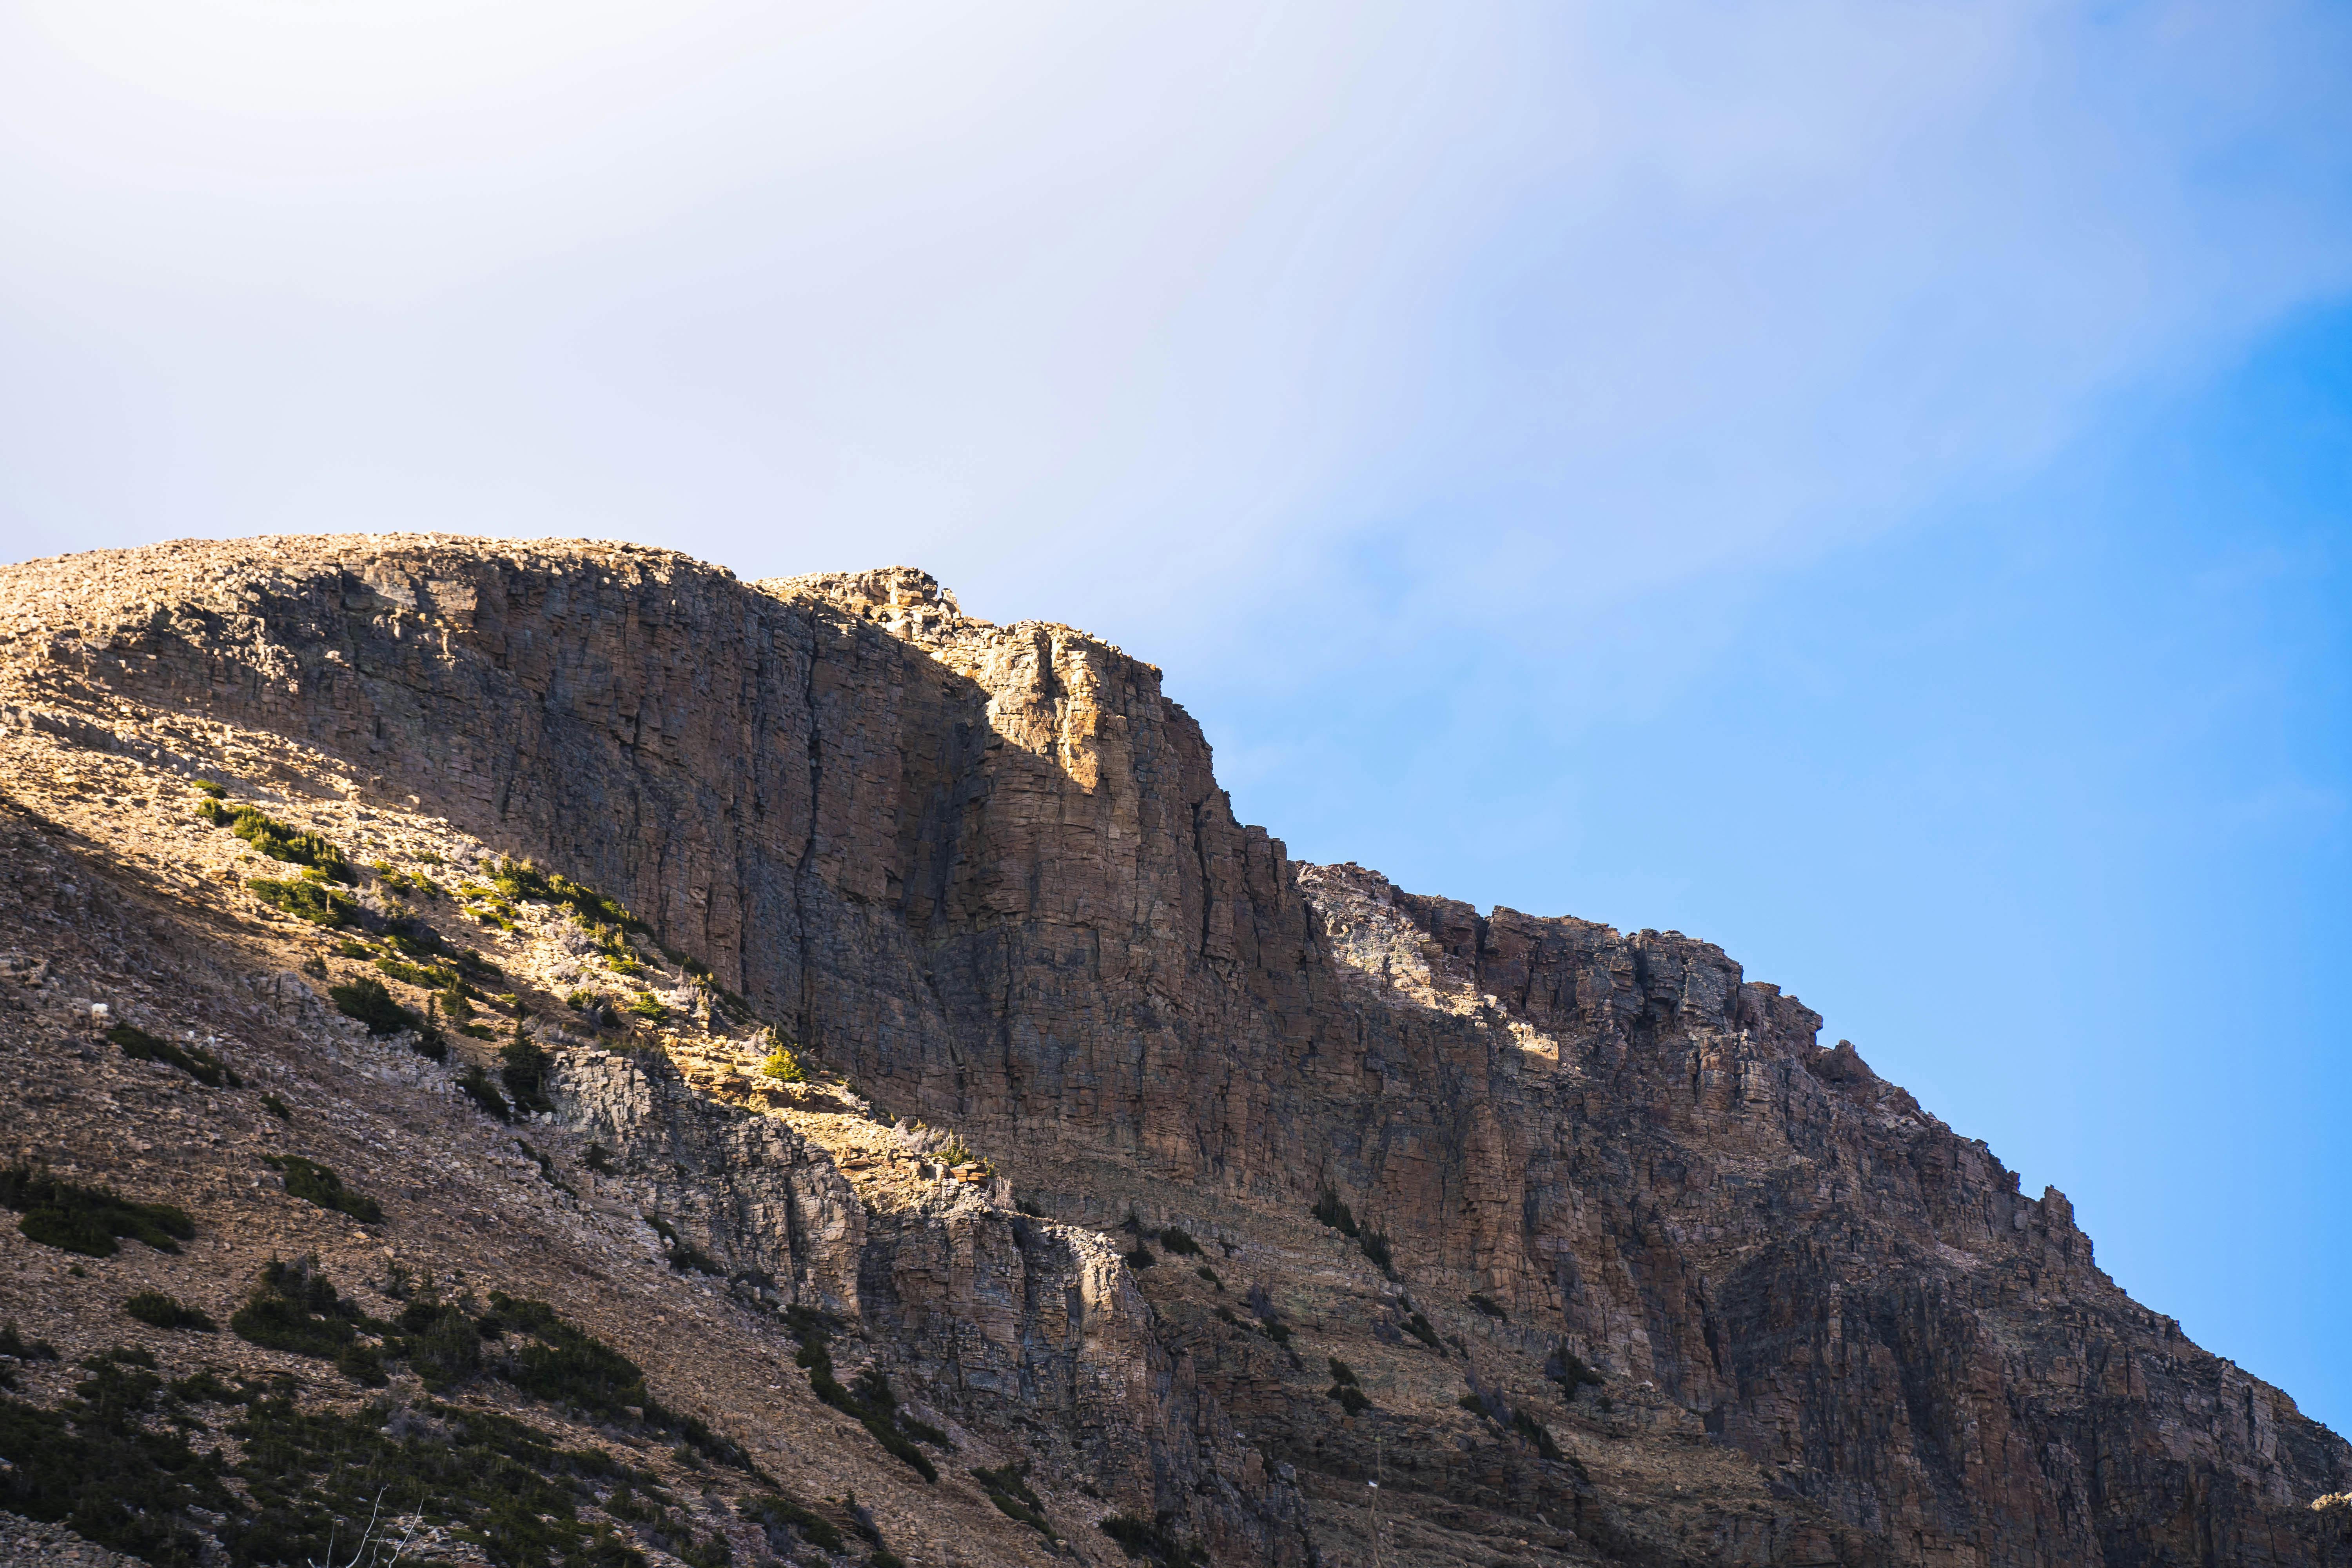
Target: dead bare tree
{"type": "Point", "coordinates": [382, 1543]}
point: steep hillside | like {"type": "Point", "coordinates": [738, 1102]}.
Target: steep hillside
{"type": "Point", "coordinates": [915, 1072]}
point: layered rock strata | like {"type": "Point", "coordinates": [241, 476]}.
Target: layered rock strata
{"type": "Point", "coordinates": [987, 871]}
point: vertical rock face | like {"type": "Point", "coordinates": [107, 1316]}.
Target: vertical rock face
{"type": "Point", "coordinates": [999, 1317]}
{"type": "Point", "coordinates": [987, 871]}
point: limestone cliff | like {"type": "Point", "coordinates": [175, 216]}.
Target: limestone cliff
{"type": "Point", "coordinates": [985, 873]}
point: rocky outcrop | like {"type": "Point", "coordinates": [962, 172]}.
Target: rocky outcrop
{"type": "Point", "coordinates": [29, 1543]}
{"type": "Point", "coordinates": [987, 871]}
{"type": "Point", "coordinates": [996, 1316]}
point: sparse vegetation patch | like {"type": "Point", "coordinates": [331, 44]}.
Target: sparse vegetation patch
{"type": "Point", "coordinates": [314, 1183]}
{"type": "Point", "coordinates": [313, 901]}
{"type": "Point", "coordinates": [1180, 1241]}
{"type": "Point", "coordinates": [522, 1067]}
{"type": "Point", "coordinates": [160, 1310]}
{"type": "Point", "coordinates": [366, 1001]}
{"type": "Point", "coordinates": [786, 1522]}
{"type": "Point", "coordinates": [1007, 1486]}
{"type": "Point", "coordinates": [405, 882]}
{"type": "Point", "coordinates": [87, 1220]}
{"type": "Point", "coordinates": [101, 1464]}
{"type": "Point", "coordinates": [874, 1406]}
{"type": "Point", "coordinates": [521, 881]}
{"type": "Point", "coordinates": [476, 1086]}
{"type": "Point", "coordinates": [278, 840]}
{"type": "Point", "coordinates": [294, 1308]}
{"type": "Point", "coordinates": [194, 1060]}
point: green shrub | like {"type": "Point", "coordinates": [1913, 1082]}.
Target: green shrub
{"type": "Point", "coordinates": [155, 1308]}
{"type": "Point", "coordinates": [584, 1001]}
{"type": "Point", "coordinates": [478, 1086]}
{"type": "Point", "coordinates": [103, 1463]}
{"type": "Point", "coordinates": [276, 1107]}
{"type": "Point", "coordinates": [523, 1069]}
{"type": "Point", "coordinates": [277, 839]}
{"type": "Point", "coordinates": [784, 1066]}
{"type": "Point", "coordinates": [294, 1308]}
{"type": "Point", "coordinates": [315, 1183]}
{"type": "Point", "coordinates": [1376, 1248]}
{"type": "Point", "coordinates": [486, 906]}
{"type": "Point", "coordinates": [88, 1219]}
{"type": "Point", "coordinates": [366, 1000]}
{"type": "Point", "coordinates": [498, 1484]}
{"type": "Point", "coordinates": [308, 900]}
{"type": "Point", "coordinates": [446, 1348]}
{"type": "Point", "coordinates": [405, 882]}
{"type": "Point", "coordinates": [557, 1361]}
{"type": "Point", "coordinates": [1205, 1272]}
{"type": "Point", "coordinates": [1340, 1371]}
{"type": "Point", "coordinates": [212, 787]}
{"type": "Point", "coordinates": [414, 939]}
{"type": "Point", "coordinates": [425, 979]}
{"type": "Point", "coordinates": [1141, 1257]}
{"type": "Point", "coordinates": [13, 1343]}
{"type": "Point", "coordinates": [1007, 1486]}
{"type": "Point", "coordinates": [1351, 1398]}
{"type": "Point", "coordinates": [521, 881]}
{"type": "Point", "coordinates": [1174, 1239]}
{"type": "Point", "coordinates": [194, 1060]}
{"type": "Point", "coordinates": [873, 1407]}
{"type": "Point", "coordinates": [644, 1006]}
{"type": "Point", "coordinates": [779, 1515]}
{"type": "Point", "coordinates": [1418, 1327]}
{"type": "Point", "coordinates": [362, 1363]}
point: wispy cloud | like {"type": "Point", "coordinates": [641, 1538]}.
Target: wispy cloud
{"type": "Point", "coordinates": [1085, 308]}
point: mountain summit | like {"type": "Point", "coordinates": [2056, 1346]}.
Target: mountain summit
{"type": "Point", "coordinates": [607, 1063]}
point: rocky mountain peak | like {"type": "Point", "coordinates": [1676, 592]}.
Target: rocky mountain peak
{"type": "Point", "coordinates": [870, 1027]}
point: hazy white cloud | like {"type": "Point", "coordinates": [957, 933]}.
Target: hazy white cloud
{"type": "Point", "coordinates": [1087, 307]}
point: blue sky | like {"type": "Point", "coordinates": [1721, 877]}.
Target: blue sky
{"type": "Point", "coordinates": [1867, 484]}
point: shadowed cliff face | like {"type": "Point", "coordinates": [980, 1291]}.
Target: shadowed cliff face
{"type": "Point", "coordinates": [987, 871]}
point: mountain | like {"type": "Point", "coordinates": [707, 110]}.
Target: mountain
{"type": "Point", "coordinates": [638, 1066]}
